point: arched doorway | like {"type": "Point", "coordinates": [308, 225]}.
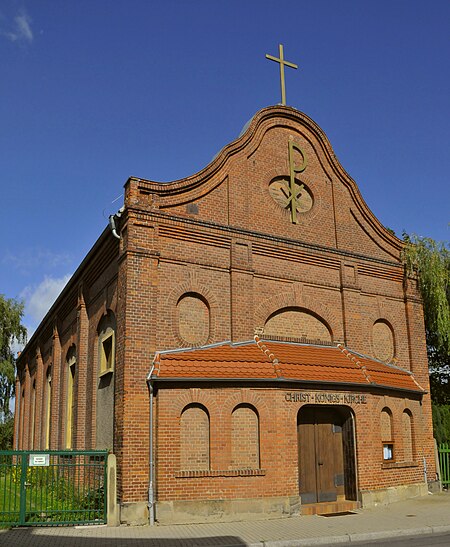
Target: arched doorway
{"type": "Point", "coordinates": [326, 454]}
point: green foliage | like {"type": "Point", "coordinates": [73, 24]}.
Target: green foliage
{"type": "Point", "coordinates": [9, 500]}
{"type": "Point", "coordinates": [431, 261]}
{"type": "Point", "coordinates": [7, 433]}
{"type": "Point", "coordinates": [11, 330]}
{"type": "Point", "coordinates": [439, 376]}
{"type": "Point", "coordinates": [441, 423]}
{"type": "Point", "coordinates": [53, 496]}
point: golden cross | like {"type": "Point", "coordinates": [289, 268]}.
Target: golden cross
{"type": "Point", "coordinates": [282, 63]}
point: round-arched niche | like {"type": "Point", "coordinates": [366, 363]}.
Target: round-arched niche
{"type": "Point", "coordinates": [297, 323]}
{"type": "Point", "coordinates": [193, 319]}
{"type": "Point", "coordinates": [383, 341]}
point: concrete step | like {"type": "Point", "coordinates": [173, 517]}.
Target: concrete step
{"type": "Point", "coordinates": [329, 507]}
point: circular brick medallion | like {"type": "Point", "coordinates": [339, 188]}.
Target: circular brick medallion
{"type": "Point", "coordinates": [281, 194]}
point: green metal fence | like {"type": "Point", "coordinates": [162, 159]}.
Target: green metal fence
{"type": "Point", "coordinates": [444, 463]}
{"type": "Point", "coordinates": [44, 488]}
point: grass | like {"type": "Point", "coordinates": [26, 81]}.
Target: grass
{"type": "Point", "coordinates": [9, 500]}
{"type": "Point", "coordinates": [49, 500]}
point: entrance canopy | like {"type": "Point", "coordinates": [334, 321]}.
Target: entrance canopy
{"type": "Point", "coordinates": [259, 360]}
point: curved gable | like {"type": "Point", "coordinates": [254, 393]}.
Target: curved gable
{"type": "Point", "coordinates": [248, 186]}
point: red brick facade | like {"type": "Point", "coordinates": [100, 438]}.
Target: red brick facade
{"type": "Point", "coordinates": [216, 257]}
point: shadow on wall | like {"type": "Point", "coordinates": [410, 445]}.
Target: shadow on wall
{"type": "Point", "coordinates": [28, 537]}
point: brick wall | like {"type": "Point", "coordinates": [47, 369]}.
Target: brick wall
{"type": "Point", "coordinates": [278, 443]}
{"type": "Point", "coordinates": [70, 326]}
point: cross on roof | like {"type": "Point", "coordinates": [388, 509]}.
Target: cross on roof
{"type": "Point", "coordinates": [282, 63]}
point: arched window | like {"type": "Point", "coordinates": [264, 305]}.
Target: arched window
{"type": "Point", "coordinates": [106, 343]}
{"type": "Point", "coordinates": [32, 415]}
{"type": "Point", "coordinates": [71, 363]}
{"type": "Point", "coordinates": [22, 420]}
{"type": "Point", "coordinates": [244, 438]}
{"type": "Point", "coordinates": [105, 385]}
{"type": "Point", "coordinates": [48, 406]}
{"type": "Point", "coordinates": [387, 437]}
{"type": "Point", "coordinates": [407, 434]}
{"type": "Point", "coordinates": [194, 438]}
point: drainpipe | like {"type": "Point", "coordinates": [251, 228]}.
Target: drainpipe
{"type": "Point", "coordinates": [112, 222]}
{"type": "Point", "coordinates": [151, 494]}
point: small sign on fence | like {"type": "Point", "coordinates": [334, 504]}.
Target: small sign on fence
{"type": "Point", "coordinates": [39, 460]}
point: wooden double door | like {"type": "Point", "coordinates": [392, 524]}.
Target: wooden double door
{"type": "Point", "coordinates": [326, 453]}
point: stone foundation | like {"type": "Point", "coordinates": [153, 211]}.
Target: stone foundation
{"type": "Point", "coordinates": [435, 487]}
{"type": "Point", "coordinates": [196, 512]}
{"type": "Point", "coordinates": [134, 514]}
{"type": "Point", "coordinates": [371, 498]}
{"type": "Point", "coordinates": [185, 512]}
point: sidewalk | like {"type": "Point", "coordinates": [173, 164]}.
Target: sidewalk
{"type": "Point", "coordinates": [426, 515]}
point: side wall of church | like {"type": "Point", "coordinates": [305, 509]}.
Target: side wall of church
{"type": "Point", "coordinates": [61, 364]}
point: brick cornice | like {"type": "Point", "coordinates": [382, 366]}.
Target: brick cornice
{"type": "Point", "coordinates": [233, 231]}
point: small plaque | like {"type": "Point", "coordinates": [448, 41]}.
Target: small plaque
{"type": "Point", "coordinates": [39, 460]}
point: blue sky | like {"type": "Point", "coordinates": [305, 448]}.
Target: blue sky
{"type": "Point", "coordinates": [95, 91]}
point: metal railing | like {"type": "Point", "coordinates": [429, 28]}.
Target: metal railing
{"type": "Point", "coordinates": [444, 463]}
{"type": "Point", "coordinates": [44, 488]}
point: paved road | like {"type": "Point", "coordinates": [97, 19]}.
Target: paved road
{"type": "Point", "coordinates": [421, 541]}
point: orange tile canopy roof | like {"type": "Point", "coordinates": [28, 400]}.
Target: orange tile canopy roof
{"type": "Point", "coordinates": [280, 361]}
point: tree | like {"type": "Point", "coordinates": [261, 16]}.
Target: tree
{"type": "Point", "coordinates": [11, 331]}
{"type": "Point", "coordinates": [439, 365]}
{"type": "Point", "coordinates": [431, 262]}
{"type": "Point", "coordinates": [7, 433]}
{"type": "Point", "coordinates": [441, 423]}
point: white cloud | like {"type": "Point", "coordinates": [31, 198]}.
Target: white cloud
{"type": "Point", "coordinates": [26, 261]}
{"type": "Point", "coordinates": [20, 30]}
{"type": "Point", "coordinates": [38, 299]}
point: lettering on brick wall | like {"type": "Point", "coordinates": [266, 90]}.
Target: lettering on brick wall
{"type": "Point", "coordinates": [328, 398]}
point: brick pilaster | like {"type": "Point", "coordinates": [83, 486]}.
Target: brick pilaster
{"type": "Point", "coordinates": [241, 290]}
{"type": "Point", "coordinates": [57, 391]}
{"type": "Point", "coordinates": [80, 385]}
{"type": "Point", "coordinates": [39, 401]}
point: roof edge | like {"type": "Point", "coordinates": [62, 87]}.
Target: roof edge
{"type": "Point", "coordinates": [281, 380]}
{"type": "Point", "coordinates": [64, 292]}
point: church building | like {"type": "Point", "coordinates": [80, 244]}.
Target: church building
{"type": "Point", "coordinates": [244, 340]}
